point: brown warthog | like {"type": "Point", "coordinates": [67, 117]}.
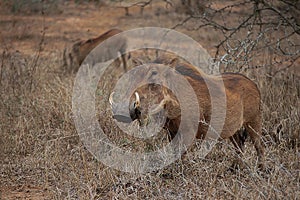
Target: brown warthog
{"type": "Point", "coordinates": [74, 57]}
{"type": "Point", "coordinates": [242, 105]}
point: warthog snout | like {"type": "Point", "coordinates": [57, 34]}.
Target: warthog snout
{"type": "Point", "coordinates": [120, 110]}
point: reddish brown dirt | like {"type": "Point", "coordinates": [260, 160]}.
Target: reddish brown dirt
{"type": "Point", "coordinates": [23, 33]}
{"type": "Point", "coordinates": [24, 192]}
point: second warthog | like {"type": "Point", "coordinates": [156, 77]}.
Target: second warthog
{"type": "Point", "coordinates": [75, 56]}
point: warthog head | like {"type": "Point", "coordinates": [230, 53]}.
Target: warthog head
{"type": "Point", "coordinates": [154, 79]}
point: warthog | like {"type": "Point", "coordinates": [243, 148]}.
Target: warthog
{"type": "Point", "coordinates": [243, 105]}
{"type": "Point", "coordinates": [74, 57]}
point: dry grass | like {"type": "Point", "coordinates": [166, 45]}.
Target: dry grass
{"type": "Point", "coordinates": [42, 157]}
{"type": "Point", "coordinates": [40, 146]}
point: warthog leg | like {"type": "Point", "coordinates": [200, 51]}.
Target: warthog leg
{"type": "Point", "coordinates": [254, 130]}
{"type": "Point", "coordinates": [238, 140]}
{"type": "Point", "coordinates": [124, 60]}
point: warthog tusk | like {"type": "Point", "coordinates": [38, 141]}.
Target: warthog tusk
{"type": "Point", "coordinates": [137, 100]}
{"type": "Point", "coordinates": [111, 101]}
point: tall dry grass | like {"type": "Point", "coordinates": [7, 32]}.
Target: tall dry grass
{"type": "Point", "coordinates": [40, 146]}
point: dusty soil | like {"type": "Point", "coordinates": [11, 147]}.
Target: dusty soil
{"type": "Point", "coordinates": [24, 32]}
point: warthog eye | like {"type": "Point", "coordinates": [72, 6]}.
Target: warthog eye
{"type": "Point", "coordinates": [153, 73]}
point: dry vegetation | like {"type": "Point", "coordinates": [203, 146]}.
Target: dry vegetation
{"type": "Point", "coordinates": [42, 157]}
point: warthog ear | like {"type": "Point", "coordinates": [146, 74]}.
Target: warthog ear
{"type": "Point", "coordinates": [89, 41]}
{"type": "Point", "coordinates": [136, 61]}
{"type": "Point", "coordinates": [174, 62]}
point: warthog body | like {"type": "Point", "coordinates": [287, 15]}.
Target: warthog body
{"type": "Point", "coordinates": [74, 57]}
{"type": "Point", "coordinates": [243, 106]}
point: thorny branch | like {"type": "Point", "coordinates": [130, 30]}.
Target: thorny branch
{"type": "Point", "coordinates": [263, 26]}
{"type": "Point", "coordinates": [126, 4]}
{"type": "Point", "coordinates": [259, 27]}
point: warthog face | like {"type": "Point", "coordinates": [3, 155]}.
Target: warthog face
{"type": "Point", "coordinates": [154, 80]}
